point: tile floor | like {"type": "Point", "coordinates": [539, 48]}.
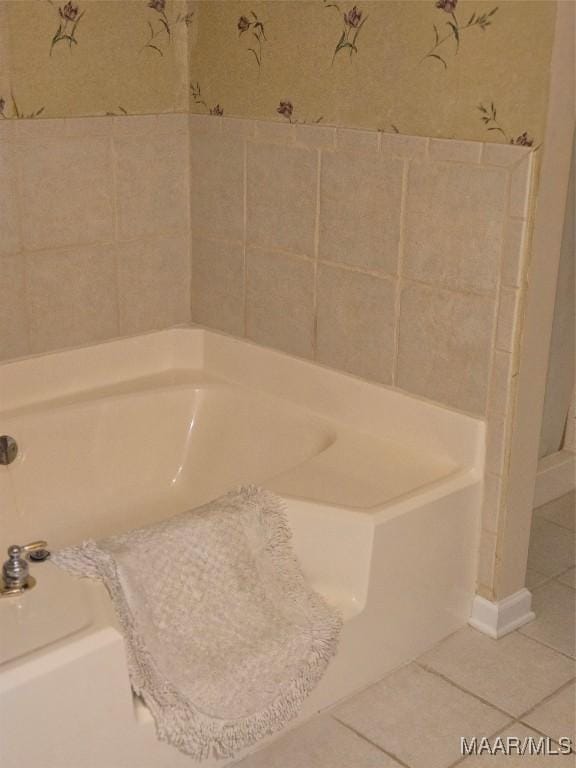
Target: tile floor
{"type": "Point", "coordinates": [468, 685]}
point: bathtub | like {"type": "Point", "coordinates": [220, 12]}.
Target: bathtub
{"type": "Point", "coordinates": [383, 492]}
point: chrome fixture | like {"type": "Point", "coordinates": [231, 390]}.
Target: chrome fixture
{"type": "Point", "coordinates": [8, 449]}
{"type": "Point", "coordinates": [15, 571]}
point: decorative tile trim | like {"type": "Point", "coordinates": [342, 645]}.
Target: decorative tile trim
{"type": "Point", "coordinates": [268, 130]}
{"type": "Point", "coordinates": [504, 154]}
{"type": "Point", "coordinates": [405, 147]}
{"type": "Point", "coordinates": [357, 140]}
{"type": "Point", "coordinates": [520, 187]}
{"type": "Point", "coordinates": [455, 151]}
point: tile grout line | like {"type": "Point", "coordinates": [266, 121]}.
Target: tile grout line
{"type": "Point", "coordinates": [463, 690]}
{"type": "Point", "coordinates": [316, 257]}
{"type": "Point", "coordinates": [499, 730]}
{"type": "Point", "coordinates": [245, 237]}
{"type": "Point", "coordinates": [15, 151]}
{"type": "Point", "coordinates": [547, 698]}
{"type": "Point", "coordinates": [545, 645]}
{"type": "Point", "coordinates": [399, 268]}
{"type": "Point", "coordinates": [369, 741]}
{"type": "Point", "coordinates": [115, 197]}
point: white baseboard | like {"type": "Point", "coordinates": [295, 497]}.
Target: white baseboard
{"type": "Point", "coordinates": [500, 618]}
{"type": "Point", "coordinates": [556, 476]}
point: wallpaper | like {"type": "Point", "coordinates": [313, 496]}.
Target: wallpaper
{"type": "Point", "coordinates": [453, 68]}
{"type": "Point", "coordinates": [475, 69]}
{"type": "Point", "coordinates": [93, 57]}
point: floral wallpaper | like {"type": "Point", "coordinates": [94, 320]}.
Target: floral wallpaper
{"type": "Point", "coordinates": [475, 69]}
{"type": "Point", "coordinates": [93, 57]}
{"type": "Point", "coordinates": [471, 69]}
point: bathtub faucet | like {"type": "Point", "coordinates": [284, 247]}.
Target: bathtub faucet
{"type": "Point", "coordinates": [15, 571]}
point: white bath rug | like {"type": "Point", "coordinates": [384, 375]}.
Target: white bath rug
{"type": "Point", "coordinates": [225, 639]}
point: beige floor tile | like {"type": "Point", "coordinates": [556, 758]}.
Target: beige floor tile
{"type": "Point", "coordinates": [568, 577]}
{"type": "Point", "coordinates": [322, 743]}
{"type": "Point", "coordinates": [561, 511]}
{"type": "Point", "coordinates": [555, 625]}
{"type": "Point", "coordinates": [551, 547]}
{"type": "Point", "coordinates": [556, 717]}
{"type": "Point", "coordinates": [513, 673]}
{"type": "Point", "coordinates": [418, 717]}
{"type": "Point", "coordinates": [535, 578]}
{"type": "Point", "coordinates": [519, 761]}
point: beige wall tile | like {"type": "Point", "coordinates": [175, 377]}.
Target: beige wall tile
{"type": "Point", "coordinates": [453, 225]}
{"type": "Point", "coordinates": [153, 283]}
{"type": "Point", "coordinates": [7, 130]}
{"type": "Point", "coordinates": [520, 187]}
{"type": "Point", "coordinates": [9, 210]}
{"type": "Point", "coordinates": [217, 185]}
{"type": "Point", "coordinates": [403, 146]}
{"type": "Point", "coordinates": [357, 140]}
{"type": "Point", "coordinates": [503, 154]}
{"type": "Point", "coordinates": [218, 284]}
{"type": "Point", "coordinates": [236, 126]}
{"type": "Point", "coordinates": [500, 382]}
{"type": "Point", "coordinates": [280, 301]}
{"type": "Point", "coordinates": [444, 346]}
{"type": "Point", "coordinates": [72, 296]}
{"type": "Point", "coordinates": [204, 124]}
{"type": "Point", "coordinates": [152, 185]}
{"type": "Point", "coordinates": [496, 440]}
{"type": "Point", "coordinates": [88, 126]}
{"type": "Point", "coordinates": [513, 252]}
{"type": "Point", "coordinates": [491, 503]}
{"type": "Point", "coordinates": [281, 205]}
{"type": "Point", "coordinates": [355, 326]}
{"type": "Point", "coordinates": [66, 192]}
{"type": "Point", "coordinates": [455, 151]}
{"type": "Point", "coordinates": [360, 201]}
{"type": "Point", "coordinates": [40, 130]}
{"type": "Point", "coordinates": [271, 130]}
{"type": "Point", "coordinates": [171, 123]}
{"type": "Point", "coordinates": [13, 316]}
{"type": "Point", "coordinates": [507, 319]}
{"type": "Point", "coordinates": [486, 557]}
{"type": "Point", "coordinates": [316, 136]}
{"type": "Point", "coordinates": [134, 125]}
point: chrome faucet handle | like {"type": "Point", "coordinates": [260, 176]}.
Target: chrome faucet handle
{"type": "Point", "coordinates": [15, 571]}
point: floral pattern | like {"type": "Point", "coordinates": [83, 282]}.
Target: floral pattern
{"type": "Point", "coordinates": [70, 16]}
{"type": "Point", "coordinates": [342, 62]}
{"type": "Point", "coordinates": [161, 26]}
{"type": "Point", "coordinates": [455, 30]}
{"type": "Point", "coordinates": [16, 111]}
{"type": "Point", "coordinates": [286, 109]}
{"type": "Point", "coordinates": [196, 95]}
{"type": "Point", "coordinates": [353, 21]}
{"type": "Point", "coordinates": [253, 26]}
{"type": "Point", "coordinates": [490, 120]}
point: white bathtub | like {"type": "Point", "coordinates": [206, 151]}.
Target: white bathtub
{"type": "Point", "coordinates": [383, 493]}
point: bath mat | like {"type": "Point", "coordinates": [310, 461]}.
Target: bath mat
{"type": "Point", "coordinates": [224, 637]}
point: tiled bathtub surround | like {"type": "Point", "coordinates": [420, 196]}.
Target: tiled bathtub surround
{"type": "Point", "coordinates": [395, 258]}
{"type": "Point", "coordinates": [95, 222]}
{"type": "Point", "coordinates": [391, 257]}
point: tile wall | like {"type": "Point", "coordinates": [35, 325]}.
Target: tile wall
{"type": "Point", "coordinates": [94, 222]}
{"type": "Point", "coordinates": [399, 259]}
{"type": "Point", "coordinates": [395, 258]}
